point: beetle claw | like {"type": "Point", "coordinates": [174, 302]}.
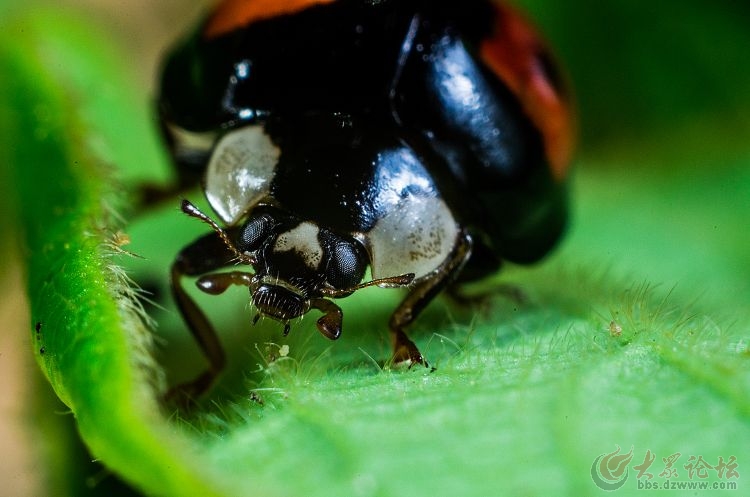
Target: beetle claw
{"type": "Point", "coordinates": [405, 352]}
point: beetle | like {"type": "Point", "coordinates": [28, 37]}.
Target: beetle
{"type": "Point", "coordinates": [424, 140]}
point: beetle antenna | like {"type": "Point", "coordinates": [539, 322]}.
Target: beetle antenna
{"type": "Point", "coordinates": [191, 210]}
{"type": "Point", "coordinates": [390, 282]}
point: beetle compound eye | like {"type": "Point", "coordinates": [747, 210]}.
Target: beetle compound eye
{"type": "Point", "coordinates": [255, 231]}
{"type": "Point", "coordinates": [347, 265]}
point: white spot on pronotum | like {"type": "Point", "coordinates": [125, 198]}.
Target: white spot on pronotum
{"type": "Point", "coordinates": [303, 239]}
{"type": "Point", "coordinates": [240, 172]}
{"type": "Point", "coordinates": [414, 238]}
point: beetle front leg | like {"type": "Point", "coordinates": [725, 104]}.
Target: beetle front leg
{"type": "Point", "coordinates": [330, 323]}
{"type": "Point", "coordinates": [203, 255]}
{"type": "Point", "coordinates": [404, 350]}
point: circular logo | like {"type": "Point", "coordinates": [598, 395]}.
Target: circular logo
{"type": "Point", "coordinates": [610, 471]}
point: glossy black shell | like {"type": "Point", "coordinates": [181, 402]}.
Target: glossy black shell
{"type": "Point", "coordinates": [336, 83]}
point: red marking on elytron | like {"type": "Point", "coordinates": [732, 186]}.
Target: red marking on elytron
{"type": "Point", "coordinates": [235, 14]}
{"type": "Point", "coordinates": [513, 53]}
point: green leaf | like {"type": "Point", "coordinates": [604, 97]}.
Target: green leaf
{"type": "Point", "coordinates": [87, 330]}
{"type": "Point", "coordinates": [633, 334]}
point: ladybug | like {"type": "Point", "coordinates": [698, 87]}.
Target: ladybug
{"type": "Point", "coordinates": [424, 140]}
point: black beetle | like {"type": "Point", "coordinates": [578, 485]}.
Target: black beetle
{"type": "Point", "coordinates": [426, 140]}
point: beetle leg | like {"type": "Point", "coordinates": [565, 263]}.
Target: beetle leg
{"type": "Point", "coordinates": [205, 254]}
{"type": "Point", "coordinates": [404, 350]}
{"type": "Point", "coordinates": [330, 323]}
{"type": "Point", "coordinates": [217, 283]}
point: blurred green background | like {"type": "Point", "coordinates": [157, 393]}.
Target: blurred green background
{"type": "Point", "coordinates": [661, 193]}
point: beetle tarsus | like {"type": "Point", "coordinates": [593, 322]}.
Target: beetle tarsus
{"type": "Point", "coordinates": [330, 323]}
{"type": "Point", "coordinates": [405, 352]}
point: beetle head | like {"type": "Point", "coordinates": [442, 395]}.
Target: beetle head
{"type": "Point", "coordinates": [297, 266]}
